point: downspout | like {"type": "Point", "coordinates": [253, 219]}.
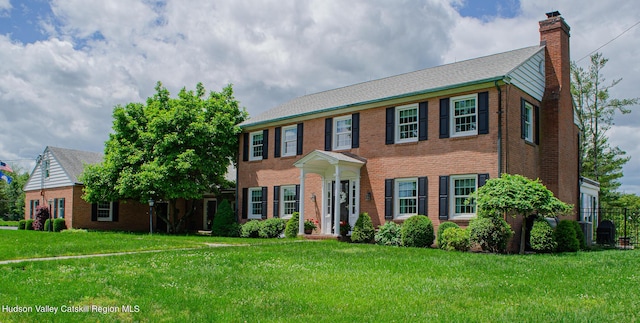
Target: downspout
{"type": "Point", "coordinates": [499, 128]}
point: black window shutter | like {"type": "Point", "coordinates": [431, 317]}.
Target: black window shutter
{"type": "Point", "coordinates": [297, 198]}
{"type": "Point", "coordinates": [390, 126]}
{"type": "Point", "coordinates": [276, 201]}
{"type": "Point", "coordinates": [444, 118]}
{"type": "Point", "coordinates": [536, 112]}
{"type": "Point", "coordinates": [265, 143]}
{"type": "Point", "coordinates": [423, 119]}
{"type": "Point", "coordinates": [328, 124]}
{"type": "Point", "coordinates": [264, 201]}
{"type": "Point", "coordinates": [483, 113]}
{"type": "Point", "coordinates": [245, 202]}
{"type": "Point", "coordinates": [482, 179]}
{"type": "Point", "coordinates": [422, 195]}
{"type": "Point", "coordinates": [388, 199]}
{"type": "Point", "coordinates": [115, 211]}
{"type": "Point", "coordinates": [276, 142]}
{"type": "Point", "coordinates": [299, 139]}
{"type": "Point", "coordinates": [355, 130]}
{"type": "Point", "coordinates": [443, 193]}
{"type": "Point", "coordinates": [523, 117]}
{"type": "Point", "coordinates": [94, 212]}
{"type": "Point", "coordinates": [245, 146]}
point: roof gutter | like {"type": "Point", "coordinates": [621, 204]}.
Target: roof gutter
{"type": "Point", "coordinates": [428, 91]}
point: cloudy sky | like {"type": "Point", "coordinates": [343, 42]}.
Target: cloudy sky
{"type": "Point", "coordinates": [64, 64]}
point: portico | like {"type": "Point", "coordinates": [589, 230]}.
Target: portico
{"type": "Point", "coordinates": [340, 201]}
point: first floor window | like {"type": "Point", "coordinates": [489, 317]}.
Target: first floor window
{"type": "Point", "coordinates": [60, 208]}
{"type": "Point", "coordinates": [32, 209]}
{"type": "Point", "coordinates": [407, 123]}
{"type": "Point", "coordinates": [464, 112]}
{"type": "Point", "coordinates": [462, 187]}
{"type": "Point", "coordinates": [407, 197]}
{"type": "Point", "coordinates": [255, 203]}
{"type": "Point", "coordinates": [288, 196]}
{"type": "Point", "coordinates": [105, 211]}
{"type": "Point", "coordinates": [256, 145]}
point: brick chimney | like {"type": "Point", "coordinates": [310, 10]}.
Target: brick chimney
{"type": "Point", "coordinates": [559, 134]}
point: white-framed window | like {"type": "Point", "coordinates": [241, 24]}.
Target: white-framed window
{"type": "Point", "coordinates": [464, 110]}
{"type": "Point", "coordinates": [47, 168]}
{"type": "Point", "coordinates": [462, 186]}
{"type": "Point", "coordinates": [289, 140]}
{"type": "Point", "coordinates": [105, 211]}
{"type": "Point", "coordinates": [287, 201]}
{"type": "Point", "coordinates": [407, 123]}
{"type": "Point", "coordinates": [255, 203]}
{"type": "Point", "coordinates": [256, 146]}
{"type": "Point", "coordinates": [60, 207]}
{"type": "Point", "coordinates": [342, 133]}
{"type": "Point", "coordinates": [527, 130]}
{"type": "Point", "coordinates": [406, 192]}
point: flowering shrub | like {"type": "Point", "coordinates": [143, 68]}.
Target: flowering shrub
{"type": "Point", "coordinates": [310, 224]}
{"type": "Point", "coordinates": [345, 227]}
{"type": "Point", "coordinates": [42, 214]}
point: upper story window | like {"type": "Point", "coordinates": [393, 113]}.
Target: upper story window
{"type": "Point", "coordinates": [464, 110]}
{"type": "Point", "coordinates": [256, 140]}
{"type": "Point", "coordinates": [407, 123]}
{"type": "Point", "coordinates": [462, 186]}
{"type": "Point", "coordinates": [255, 203]}
{"type": "Point", "coordinates": [406, 203]}
{"type": "Point", "coordinates": [527, 121]}
{"type": "Point", "coordinates": [46, 168]}
{"type": "Point", "coordinates": [342, 133]}
{"type": "Point", "coordinates": [289, 140]}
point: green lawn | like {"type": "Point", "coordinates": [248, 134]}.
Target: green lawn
{"type": "Point", "coordinates": [295, 281]}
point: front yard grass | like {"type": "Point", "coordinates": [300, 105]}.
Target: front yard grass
{"type": "Point", "coordinates": [294, 281]}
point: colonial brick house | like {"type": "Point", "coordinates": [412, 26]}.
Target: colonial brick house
{"type": "Point", "coordinates": [55, 182]}
{"type": "Point", "coordinates": [416, 143]}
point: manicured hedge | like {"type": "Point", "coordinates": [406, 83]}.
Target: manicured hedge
{"type": "Point", "coordinates": [417, 231]}
{"type": "Point", "coordinates": [443, 226]}
{"type": "Point", "coordinates": [28, 225]}
{"type": "Point", "coordinates": [22, 224]}
{"type": "Point", "coordinates": [389, 234]}
{"type": "Point", "coordinates": [59, 225]}
{"type": "Point", "coordinates": [363, 230]}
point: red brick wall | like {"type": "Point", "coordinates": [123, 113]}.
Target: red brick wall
{"type": "Point", "coordinates": [431, 158]}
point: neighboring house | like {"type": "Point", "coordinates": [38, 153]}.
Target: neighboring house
{"type": "Point", "coordinates": [54, 182]}
{"type": "Point", "coordinates": [416, 143]}
{"type": "Point", "coordinates": [589, 206]}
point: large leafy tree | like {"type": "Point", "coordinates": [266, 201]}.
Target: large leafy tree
{"type": "Point", "coordinates": [12, 195]}
{"type": "Point", "coordinates": [168, 149]}
{"type": "Point", "coordinates": [513, 195]}
{"type": "Point", "coordinates": [595, 110]}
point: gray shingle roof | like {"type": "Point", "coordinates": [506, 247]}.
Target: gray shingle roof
{"type": "Point", "coordinates": [73, 161]}
{"type": "Point", "coordinates": [471, 71]}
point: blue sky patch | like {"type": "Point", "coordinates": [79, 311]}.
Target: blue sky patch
{"type": "Point", "coordinates": [487, 10]}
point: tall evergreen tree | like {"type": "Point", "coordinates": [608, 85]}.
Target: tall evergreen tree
{"type": "Point", "coordinates": [595, 110]}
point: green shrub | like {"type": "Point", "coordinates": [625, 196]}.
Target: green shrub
{"type": "Point", "coordinates": [251, 229]}
{"type": "Point", "coordinates": [579, 235]}
{"type": "Point", "coordinates": [224, 224]}
{"type": "Point", "coordinates": [417, 231]}
{"type": "Point", "coordinates": [59, 225]}
{"type": "Point", "coordinates": [566, 237]}
{"type": "Point", "coordinates": [271, 228]}
{"type": "Point", "coordinates": [443, 226]}
{"type": "Point", "coordinates": [291, 229]}
{"type": "Point", "coordinates": [22, 224]}
{"type": "Point", "coordinates": [455, 238]}
{"type": "Point", "coordinates": [47, 225]}
{"type": "Point", "coordinates": [28, 225]}
{"type": "Point", "coordinates": [542, 237]}
{"type": "Point", "coordinates": [389, 234]}
{"type": "Point", "coordinates": [492, 234]}
{"type": "Point", "coordinates": [363, 230]}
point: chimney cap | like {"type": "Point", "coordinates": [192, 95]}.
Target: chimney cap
{"type": "Point", "coordinates": [553, 14]}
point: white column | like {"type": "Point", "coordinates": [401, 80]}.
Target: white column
{"type": "Point", "coordinates": [336, 199]}
{"type": "Point", "coordinates": [301, 203]}
{"type": "Point", "coordinates": [357, 196]}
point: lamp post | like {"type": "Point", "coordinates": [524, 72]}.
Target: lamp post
{"type": "Point", "coordinates": [151, 216]}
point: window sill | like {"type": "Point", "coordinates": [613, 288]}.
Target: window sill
{"type": "Point", "coordinates": [462, 137]}
{"type": "Point", "coordinates": [406, 143]}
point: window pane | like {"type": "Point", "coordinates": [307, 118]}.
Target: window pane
{"type": "Point", "coordinates": [256, 144]}
{"type": "Point", "coordinates": [408, 123]}
{"type": "Point", "coordinates": [256, 201]}
{"type": "Point", "coordinates": [289, 142]}
{"type": "Point", "coordinates": [465, 115]}
{"type": "Point", "coordinates": [463, 187]}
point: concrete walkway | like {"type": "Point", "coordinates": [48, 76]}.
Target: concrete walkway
{"type": "Point", "coordinates": [8, 228]}
{"type": "Point", "coordinates": [210, 245]}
